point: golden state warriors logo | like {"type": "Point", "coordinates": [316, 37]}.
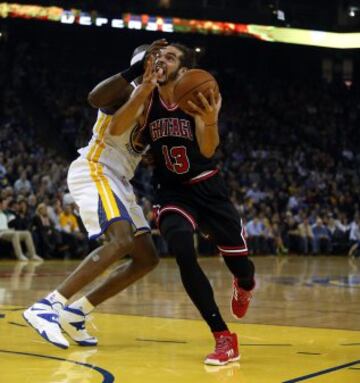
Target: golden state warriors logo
{"type": "Point", "coordinates": [137, 140]}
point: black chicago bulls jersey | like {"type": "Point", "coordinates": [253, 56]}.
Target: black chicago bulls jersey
{"type": "Point", "coordinates": [171, 135]}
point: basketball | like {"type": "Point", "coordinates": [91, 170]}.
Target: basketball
{"type": "Point", "coordinates": [190, 84]}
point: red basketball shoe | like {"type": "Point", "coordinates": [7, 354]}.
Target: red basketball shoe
{"type": "Point", "coordinates": [240, 300]}
{"type": "Point", "coordinates": [226, 349]}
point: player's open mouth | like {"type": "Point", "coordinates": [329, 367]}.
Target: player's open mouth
{"type": "Point", "coordinates": [161, 66]}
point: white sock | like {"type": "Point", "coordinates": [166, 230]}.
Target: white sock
{"type": "Point", "coordinates": [57, 300]}
{"type": "Point", "coordinates": [83, 304]}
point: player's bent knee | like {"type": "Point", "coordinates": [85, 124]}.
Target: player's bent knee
{"type": "Point", "coordinates": [149, 263]}
{"type": "Point", "coordinates": [181, 245]}
{"type": "Point", "coordinates": [120, 247]}
{"type": "Point", "coordinates": [120, 237]}
{"type": "Point", "coordinates": [148, 260]}
{"type": "Point", "coordinates": [123, 245]}
{"type": "Point", "coordinates": [173, 223]}
{"type": "Point", "coordinates": [152, 260]}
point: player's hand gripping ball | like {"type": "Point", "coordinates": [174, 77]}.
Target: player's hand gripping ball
{"type": "Point", "coordinates": [190, 84]}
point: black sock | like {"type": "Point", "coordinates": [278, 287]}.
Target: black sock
{"type": "Point", "coordinates": [216, 322]}
{"type": "Point", "coordinates": [195, 281]}
{"type": "Point", "coordinates": [242, 269]}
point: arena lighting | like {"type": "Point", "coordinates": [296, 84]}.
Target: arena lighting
{"type": "Point", "coordinates": [280, 15]}
{"type": "Point", "coordinates": [353, 10]}
{"type": "Point", "coordinates": [174, 24]}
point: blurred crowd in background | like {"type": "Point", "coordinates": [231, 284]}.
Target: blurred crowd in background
{"type": "Point", "coordinates": [289, 153]}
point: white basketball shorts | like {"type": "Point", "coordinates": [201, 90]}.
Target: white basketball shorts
{"type": "Point", "coordinates": [103, 198]}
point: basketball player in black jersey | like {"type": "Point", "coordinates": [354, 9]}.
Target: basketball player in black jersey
{"type": "Point", "coordinates": [189, 191]}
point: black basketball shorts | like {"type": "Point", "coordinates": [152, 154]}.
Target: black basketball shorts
{"type": "Point", "coordinates": [208, 208]}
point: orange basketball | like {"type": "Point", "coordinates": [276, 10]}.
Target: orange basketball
{"type": "Point", "coordinates": [190, 84]}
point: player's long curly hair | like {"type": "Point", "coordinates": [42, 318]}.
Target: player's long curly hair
{"type": "Point", "coordinates": [188, 57]}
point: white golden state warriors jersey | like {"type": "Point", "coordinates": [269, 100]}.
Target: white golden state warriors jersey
{"type": "Point", "coordinates": [120, 153]}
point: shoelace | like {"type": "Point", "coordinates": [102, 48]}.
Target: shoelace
{"type": "Point", "coordinates": [241, 295]}
{"type": "Point", "coordinates": [222, 344]}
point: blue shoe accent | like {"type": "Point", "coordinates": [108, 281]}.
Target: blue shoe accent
{"type": "Point", "coordinates": [44, 335]}
{"type": "Point", "coordinates": [86, 343]}
{"type": "Point", "coordinates": [53, 318]}
{"type": "Point", "coordinates": [73, 322]}
{"type": "Point", "coordinates": [78, 325]}
{"type": "Point", "coordinates": [74, 311]}
{"type": "Point", "coordinates": [44, 302]}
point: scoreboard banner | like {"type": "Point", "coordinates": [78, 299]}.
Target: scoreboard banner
{"type": "Point", "coordinates": [179, 25]}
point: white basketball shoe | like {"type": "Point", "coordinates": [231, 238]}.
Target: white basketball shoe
{"type": "Point", "coordinates": [45, 320]}
{"type": "Point", "coordinates": [73, 322]}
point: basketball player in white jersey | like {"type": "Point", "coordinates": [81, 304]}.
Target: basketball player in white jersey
{"type": "Point", "coordinates": [98, 180]}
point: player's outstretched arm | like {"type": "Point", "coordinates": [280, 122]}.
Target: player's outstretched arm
{"type": "Point", "coordinates": [111, 92]}
{"type": "Point", "coordinates": [129, 114]}
{"type": "Point", "coordinates": [206, 123]}
{"type": "Point", "coordinates": [114, 91]}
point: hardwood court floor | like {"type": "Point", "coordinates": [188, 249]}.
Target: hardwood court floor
{"type": "Point", "coordinates": [303, 325]}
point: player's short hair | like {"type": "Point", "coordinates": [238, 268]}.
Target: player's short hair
{"type": "Point", "coordinates": [188, 57]}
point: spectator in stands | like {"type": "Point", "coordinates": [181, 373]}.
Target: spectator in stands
{"type": "Point", "coordinates": [24, 218]}
{"type": "Point", "coordinates": [306, 237]}
{"type": "Point", "coordinates": [54, 210]}
{"type": "Point", "coordinates": [68, 222]}
{"type": "Point", "coordinates": [278, 241]}
{"type": "Point", "coordinates": [88, 245]}
{"type": "Point", "coordinates": [72, 235]}
{"type": "Point", "coordinates": [255, 230]}
{"type": "Point", "coordinates": [32, 204]}
{"type": "Point", "coordinates": [321, 237]}
{"type": "Point", "coordinates": [338, 233]}
{"type": "Point", "coordinates": [355, 237]}
{"type": "Point", "coordinates": [23, 185]}
{"type": "Point", "coordinates": [46, 186]}
{"type": "Point", "coordinates": [255, 194]}
{"type": "Point", "coordinates": [46, 237]}
{"type": "Point", "coordinates": [14, 220]}
{"type": "Point", "coordinates": [16, 237]}
{"type": "Point", "coordinates": [269, 239]}
{"type": "Point", "coordinates": [2, 169]}
{"type": "Point", "coordinates": [291, 233]}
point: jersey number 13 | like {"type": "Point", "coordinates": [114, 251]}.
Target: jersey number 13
{"type": "Point", "coordinates": [176, 159]}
